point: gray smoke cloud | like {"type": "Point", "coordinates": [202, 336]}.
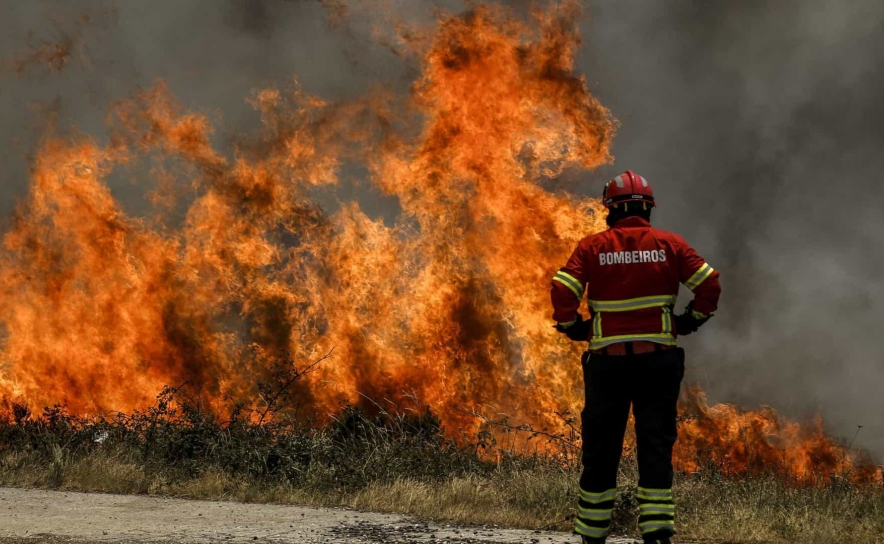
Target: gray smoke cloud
{"type": "Point", "coordinates": [760, 124]}
{"type": "Point", "coordinates": [211, 53]}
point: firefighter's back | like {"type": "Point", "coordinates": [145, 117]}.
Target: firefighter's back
{"type": "Point", "coordinates": [635, 271]}
{"type": "Point", "coordinates": [630, 276]}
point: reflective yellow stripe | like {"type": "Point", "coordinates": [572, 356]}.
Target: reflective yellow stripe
{"type": "Point", "coordinates": [630, 304]}
{"type": "Point", "coordinates": [656, 525]}
{"type": "Point", "coordinates": [602, 496]}
{"type": "Point", "coordinates": [592, 532]}
{"type": "Point", "coordinates": [656, 508]}
{"type": "Point", "coordinates": [569, 286]}
{"type": "Point", "coordinates": [702, 270]}
{"type": "Point", "coordinates": [649, 493]}
{"type": "Point", "coordinates": [667, 320]}
{"type": "Point", "coordinates": [570, 277]}
{"type": "Point", "coordinates": [570, 282]}
{"type": "Point", "coordinates": [657, 301]}
{"type": "Point", "coordinates": [698, 315]}
{"type": "Point", "coordinates": [665, 339]}
{"type": "Point", "coordinates": [699, 276]}
{"type": "Point", "coordinates": [595, 515]}
{"type": "Point", "coordinates": [568, 324]}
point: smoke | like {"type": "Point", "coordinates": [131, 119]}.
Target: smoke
{"type": "Point", "coordinates": [759, 124]}
{"type": "Point", "coordinates": [212, 54]}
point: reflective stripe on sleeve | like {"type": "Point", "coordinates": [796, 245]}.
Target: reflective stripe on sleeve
{"type": "Point", "coordinates": [570, 282]}
{"type": "Point", "coordinates": [699, 276]}
{"type": "Point", "coordinates": [632, 303]}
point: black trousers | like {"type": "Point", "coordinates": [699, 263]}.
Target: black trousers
{"type": "Point", "coordinates": [650, 383]}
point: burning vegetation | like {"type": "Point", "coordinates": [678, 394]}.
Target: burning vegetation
{"type": "Point", "coordinates": [237, 267]}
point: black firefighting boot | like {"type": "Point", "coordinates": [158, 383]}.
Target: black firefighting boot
{"type": "Point", "coordinates": [590, 540]}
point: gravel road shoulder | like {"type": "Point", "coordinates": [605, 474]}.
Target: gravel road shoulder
{"type": "Point", "coordinates": [28, 515]}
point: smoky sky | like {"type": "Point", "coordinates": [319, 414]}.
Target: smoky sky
{"type": "Point", "coordinates": [760, 124]}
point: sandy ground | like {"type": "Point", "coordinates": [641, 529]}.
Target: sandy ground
{"type": "Point", "coordinates": [54, 516]}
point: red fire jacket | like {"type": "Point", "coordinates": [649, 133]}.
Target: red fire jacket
{"type": "Point", "coordinates": [630, 275]}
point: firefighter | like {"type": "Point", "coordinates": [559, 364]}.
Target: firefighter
{"type": "Point", "coordinates": [630, 275]}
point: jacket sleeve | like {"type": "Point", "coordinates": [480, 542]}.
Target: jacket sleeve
{"type": "Point", "coordinates": [568, 286]}
{"type": "Point", "coordinates": [702, 279]}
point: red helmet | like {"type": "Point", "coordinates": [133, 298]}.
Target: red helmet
{"type": "Point", "coordinates": [628, 187]}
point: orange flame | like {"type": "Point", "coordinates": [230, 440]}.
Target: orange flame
{"type": "Point", "coordinates": [237, 264]}
{"type": "Point", "coordinates": [746, 441]}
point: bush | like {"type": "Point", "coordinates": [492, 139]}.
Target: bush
{"type": "Point", "coordinates": [400, 462]}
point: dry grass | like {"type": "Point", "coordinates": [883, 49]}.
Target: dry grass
{"type": "Point", "coordinates": [407, 464]}
{"type": "Point", "coordinates": [519, 500]}
{"type": "Point", "coordinates": [712, 508]}
{"type": "Point", "coordinates": [766, 509]}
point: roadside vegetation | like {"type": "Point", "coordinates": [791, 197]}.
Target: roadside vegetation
{"type": "Point", "coordinates": [401, 463]}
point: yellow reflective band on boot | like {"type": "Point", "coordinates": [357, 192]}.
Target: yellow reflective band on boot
{"type": "Point", "coordinates": [596, 498]}
{"type": "Point", "coordinates": [630, 304]}
{"type": "Point", "coordinates": [656, 525]}
{"type": "Point", "coordinates": [656, 508]}
{"type": "Point", "coordinates": [656, 495]}
{"type": "Point", "coordinates": [592, 532]}
{"type": "Point", "coordinates": [699, 276]}
{"type": "Point", "coordinates": [570, 282]}
{"type": "Point", "coordinates": [595, 515]}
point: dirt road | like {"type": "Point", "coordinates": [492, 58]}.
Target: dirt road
{"type": "Point", "coordinates": [54, 516]}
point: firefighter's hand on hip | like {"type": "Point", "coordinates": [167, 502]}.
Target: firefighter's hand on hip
{"type": "Point", "coordinates": [690, 321]}
{"type": "Point", "coordinates": [578, 330]}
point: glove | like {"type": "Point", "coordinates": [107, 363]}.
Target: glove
{"type": "Point", "coordinates": [577, 331]}
{"type": "Point", "coordinates": [690, 321]}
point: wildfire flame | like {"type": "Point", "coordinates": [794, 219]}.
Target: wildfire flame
{"type": "Point", "coordinates": [236, 263]}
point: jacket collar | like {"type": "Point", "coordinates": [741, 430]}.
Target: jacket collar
{"type": "Point", "coordinates": [631, 221]}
